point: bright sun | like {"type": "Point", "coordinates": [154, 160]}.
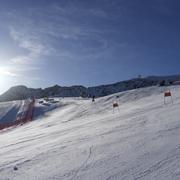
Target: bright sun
{"type": "Point", "coordinates": [5, 78]}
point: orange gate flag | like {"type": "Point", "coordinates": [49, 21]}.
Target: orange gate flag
{"type": "Point", "coordinates": [168, 94]}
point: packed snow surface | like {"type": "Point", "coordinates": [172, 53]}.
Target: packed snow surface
{"type": "Point", "coordinates": [82, 140]}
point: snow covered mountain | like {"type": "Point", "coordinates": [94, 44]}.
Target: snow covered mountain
{"type": "Point", "coordinates": [22, 92]}
{"type": "Point", "coordinates": [82, 140]}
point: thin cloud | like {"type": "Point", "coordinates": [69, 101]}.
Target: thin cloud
{"type": "Point", "coordinates": [39, 36]}
{"type": "Point", "coordinates": [22, 60]}
{"type": "Point", "coordinates": [60, 32]}
{"type": "Point", "coordinates": [6, 72]}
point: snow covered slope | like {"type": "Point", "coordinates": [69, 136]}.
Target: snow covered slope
{"type": "Point", "coordinates": [9, 110]}
{"type": "Point", "coordinates": [84, 140]}
{"type": "Point", "coordinates": [13, 113]}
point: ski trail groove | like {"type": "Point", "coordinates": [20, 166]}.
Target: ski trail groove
{"type": "Point", "coordinates": [83, 165]}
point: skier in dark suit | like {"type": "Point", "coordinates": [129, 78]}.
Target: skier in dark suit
{"type": "Point", "coordinates": [93, 99]}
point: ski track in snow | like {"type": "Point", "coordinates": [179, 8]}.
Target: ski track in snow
{"type": "Point", "coordinates": [83, 140]}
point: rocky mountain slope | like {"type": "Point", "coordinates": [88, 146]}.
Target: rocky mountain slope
{"type": "Point", "coordinates": [22, 92]}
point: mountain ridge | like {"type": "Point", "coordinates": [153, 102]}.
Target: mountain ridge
{"type": "Point", "coordinates": [22, 92]}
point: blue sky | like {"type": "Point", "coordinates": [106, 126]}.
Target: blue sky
{"type": "Point", "coordinates": [87, 42]}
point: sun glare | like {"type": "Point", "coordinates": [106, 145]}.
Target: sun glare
{"type": "Point", "coordinates": [7, 72]}
{"type": "Point", "coordinates": [5, 77]}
